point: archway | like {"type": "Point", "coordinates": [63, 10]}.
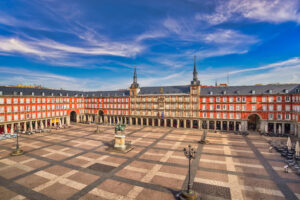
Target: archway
{"type": "Point", "coordinates": [73, 116]}
{"type": "Point", "coordinates": [253, 122]}
{"type": "Point", "coordinates": [101, 116]}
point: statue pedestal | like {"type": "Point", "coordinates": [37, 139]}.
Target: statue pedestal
{"type": "Point", "coordinates": [119, 145]}
{"type": "Point", "coordinates": [120, 142]}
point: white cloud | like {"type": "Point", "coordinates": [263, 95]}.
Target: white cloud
{"type": "Point", "coordinates": [50, 48]}
{"type": "Point", "coordinates": [274, 11]}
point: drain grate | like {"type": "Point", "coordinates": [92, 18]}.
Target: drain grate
{"type": "Point", "coordinates": [101, 167]}
{"type": "Point", "coordinates": [212, 190]}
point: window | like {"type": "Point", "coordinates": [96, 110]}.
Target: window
{"type": "Point", "coordinates": [271, 107]}
{"type": "Point", "coordinates": [231, 99]}
{"type": "Point", "coordinates": [224, 115]}
{"type": "Point", "coordinates": [224, 107]}
{"type": "Point", "coordinates": [15, 100]}
{"type": "Point", "coordinates": [238, 99]}
{"type": "Point", "coordinates": [253, 107]}
{"type": "Point", "coordinates": [287, 108]}
{"type": "Point", "coordinates": [1, 109]}
{"type": "Point", "coordinates": [279, 116]}
{"type": "Point", "coordinates": [264, 99]}
{"type": "Point", "coordinates": [211, 107]}
{"type": "Point", "coordinates": [271, 99]}
{"type": "Point", "coordinates": [238, 115]}
{"type": "Point", "coordinates": [287, 99]}
{"type": "Point", "coordinates": [8, 100]}
{"type": "Point", "coordinates": [264, 107]}
{"type": "Point", "coordinates": [253, 99]}
{"type": "Point", "coordinates": [211, 99]}
{"type": "Point", "coordinates": [224, 99]}
{"type": "Point", "coordinates": [1, 100]}
{"type": "Point", "coordinates": [204, 115]}
{"type": "Point", "coordinates": [271, 116]}
{"type": "Point", "coordinates": [279, 107]}
{"type": "Point", "coordinates": [287, 116]}
{"type": "Point", "coordinates": [238, 107]}
{"type": "Point", "coordinates": [218, 99]}
{"type": "Point", "coordinates": [278, 99]}
{"type": "Point", "coordinates": [244, 107]}
{"type": "Point", "coordinates": [243, 99]}
{"type": "Point", "coordinates": [211, 115]}
{"type": "Point", "coordinates": [231, 107]}
{"type": "Point", "coordinates": [218, 107]}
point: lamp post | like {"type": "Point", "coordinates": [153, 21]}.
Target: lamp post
{"type": "Point", "coordinates": [189, 194]}
{"type": "Point", "coordinates": [18, 151]}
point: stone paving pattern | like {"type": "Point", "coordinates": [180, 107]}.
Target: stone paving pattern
{"type": "Point", "coordinates": [74, 164]}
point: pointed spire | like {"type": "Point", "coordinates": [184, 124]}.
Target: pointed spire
{"type": "Point", "coordinates": [195, 74]}
{"type": "Point", "coordinates": [134, 83]}
{"type": "Point", "coordinates": [134, 74]}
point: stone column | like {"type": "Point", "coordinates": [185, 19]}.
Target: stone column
{"type": "Point", "coordinates": [172, 121]}
{"type": "Point", "coordinates": [184, 123]}
{"type": "Point", "coordinates": [153, 121]}
{"type": "Point", "coordinates": [158, 122]}
{"type": "Point", "coordinates": [215, 125]}
{"type": "Point", "coordinates": [275, 127]}
{"type": "Point", "coordinates": [199, 124]}
{"type": "Point", "coordinates": [178, 123]}
{"type": "Point", "coordinates": [165, 122]}
{"type": "Point", "coordinates": [130, 120]}
{"type": "Point", "coordinates": [147, 121]}
{"type": "Point", "coordinates": [12, 128]}
{"type": "Point", "coordinates": [36, 125]}
{"type": "Point", "coordinates": [30, 125]}
{"type": "Point", "coordinates": [5, 128]}
{"type": "Point", "coordinates": [234, 126]}
{"type": "Point", "coordinates": [25, 127]}
{"type": "Point", "coordinates": [227, 125]}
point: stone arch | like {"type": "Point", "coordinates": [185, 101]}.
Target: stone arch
{"type": "Point", "coordinates": [253, 122]}
{"type": "Point", "coordinates": [73, 116]}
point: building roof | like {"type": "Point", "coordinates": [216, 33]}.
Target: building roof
{"type": "Point", "coordinates": [252, 89]}
{"type": "Point", "coordinates": [182, 89]}
{"type": "Point", "coordinates": [48, 92]}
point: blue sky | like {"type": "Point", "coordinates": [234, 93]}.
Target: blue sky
{"type": "Point", "coordinates": [93, 45]}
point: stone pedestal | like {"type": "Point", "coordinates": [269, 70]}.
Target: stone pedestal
{"type": "Point", "coordinates": [120, 142]}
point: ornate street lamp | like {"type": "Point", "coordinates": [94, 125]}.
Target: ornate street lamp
{"type": "Point", "coordinates": [18, 151]}
{"type": "Point", "coordinates": [188, 194]}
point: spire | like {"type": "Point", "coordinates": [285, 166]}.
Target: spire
{"type": "Point", "coordinates": [134, 84]}
{"type": "Point", "coordinates": [134, 74]}
{"type": "Point", "coordinates": [195, 80]}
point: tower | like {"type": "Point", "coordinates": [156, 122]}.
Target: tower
{"type": "Point", "coordinates": [134, 88]}
{"type": "Point", "coordinates": [195, 80]}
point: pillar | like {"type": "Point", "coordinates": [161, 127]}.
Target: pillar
{"type": "Point", "coordinates": [12, 128]}
{"type": "Point", "coordinates": [5, 128]}
{"type": "Point", "coordinates": [275, 127]}
{"type": "Point", "coordinates": [30, 125]}
{"type": "Point", "coordinates": [147, 121]}
{"type": "Point", "coordinates": [158, 122]}
{"type": "Point", "coordinates": [199, 124]}
{"type": "Point", "coordinates": [130, 120]}
{"type": "Point", "coordinates": [36, 125]}
{"type": "Point", "coordinates": [178, 123]}
{"type": "Point", "coordinates": [171, 123]}
{"type": "Point", "coordinates": [234, 124]}
{"type": "Point", "coordinates": [165, 122]}
{"type": "Point", "coordinates": [215, 125]}
{"type": "Point", "coordinates": [227, 126]}
{"type": "Point", "coordinates": [153, 122]}
{"type": "Point", "coordinates": [184, 123]}
{"type": "Point", "coordinates": [25, 127]}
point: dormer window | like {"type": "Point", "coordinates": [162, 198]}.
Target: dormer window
{"type": "Point", "coordinates": [60, 94]}
{"type": "Point", "coordinates": [93, 95]}
{"type": "Point", "coordinates": [21, 93]}
{"type": "Point", "coordinates": [1, 93]}
{"type": "Point", "coordinates": [224, 92]}
{"type": "Point", "coordinates": [67, 94]}
{"type": "Point", "coordinates": [252, 91]}
{"type": "Point", "coordinates": [32, 94]}
{"type": "Point", "coordinates": [43, 93]}
{"type": "Point", "coordinates": [15, 93]}
{"type": "Point", "coordinates": [270, 91]}
{"type": "Point", "coordinates": [52, 94]}
{"type": "Point", "coordinates": [237, 92]}
{"type": "Point", "coordinates": [286, 91]}
{"type": "Point", "coordinates": [210, 92]}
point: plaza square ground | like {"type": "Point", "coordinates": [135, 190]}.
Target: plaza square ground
{"type": "Point", "coordinates": [74, 164]}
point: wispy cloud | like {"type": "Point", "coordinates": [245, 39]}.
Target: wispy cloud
{"type": "Point", "coordinates": [274, 11]}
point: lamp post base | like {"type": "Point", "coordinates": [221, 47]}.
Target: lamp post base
{"type": "Point", "coordinates": [17, 152]}
{"type": "Point", "coordinates": [184, 195]}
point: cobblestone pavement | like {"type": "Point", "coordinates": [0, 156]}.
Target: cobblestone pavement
{"type": "Point", "coordinates": [74, 164]}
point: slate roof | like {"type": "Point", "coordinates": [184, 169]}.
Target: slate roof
{"type": "Point", "coordinates": [48, 92]}
{"type": "Point", "coordinates": [248, 90]}
{"type": "Point", "coordinates": [182, 89]}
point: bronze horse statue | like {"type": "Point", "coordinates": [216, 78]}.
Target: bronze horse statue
{"type": "Point", "coordinates": [119, 127]}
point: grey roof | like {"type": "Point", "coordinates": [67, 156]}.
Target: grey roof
{"type": "Point", "coordinates": [251, 90]}
{"type": "Point", "coordinates": [182, 89]}
{"type": "Point", "coordinates": [48, 92]}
